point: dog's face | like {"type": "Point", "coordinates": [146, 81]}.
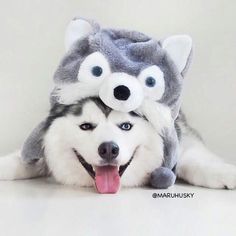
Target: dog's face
{"type": "Point", "coordinates": [112, 136]}
{"type": "Point", "coordinates": [101, 140]}
{"type": "Point", "coordinates": [121, 67]}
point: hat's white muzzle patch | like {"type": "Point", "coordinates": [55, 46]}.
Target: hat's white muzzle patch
{"type": "Point", "coordinates": [121, 92]}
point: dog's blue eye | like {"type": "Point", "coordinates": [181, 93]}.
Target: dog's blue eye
{"type": "Point", "coordinates": [126, 126]}
{"type": "Point", "coordinates": [97, 71]}
{"type": "Point", "coordinates": [87, 126]}
{"type": "Point", "coordinates": [150, 81]}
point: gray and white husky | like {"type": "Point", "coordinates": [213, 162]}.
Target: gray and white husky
{"type": "Point", "coordinates": [90, 144]}
{"type": "Point", "coordinates": [128, 71]}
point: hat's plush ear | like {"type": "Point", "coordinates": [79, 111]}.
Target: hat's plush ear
{"type": "Point", "coordinates": [78, 28]}
{"type": "Point", "coordinates": [179, 48]}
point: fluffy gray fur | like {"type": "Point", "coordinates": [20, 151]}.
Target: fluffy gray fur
{"type": "Point", "coordinates": [129, 52]}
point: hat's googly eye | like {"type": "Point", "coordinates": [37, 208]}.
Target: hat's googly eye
{"type": "Point", "coordinates": [153, 82]}
{"type": "Point", "coordinates": [97, 71]}
{"type": "Point", "coordinates": [94, 69]}
{"type": "Point", "coordinates": [150, 82]}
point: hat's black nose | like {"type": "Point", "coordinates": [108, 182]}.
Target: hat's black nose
{"type": "Point", "coordinates": [121, 92]}
{"type": "Point", "coordinates": [108, 151]}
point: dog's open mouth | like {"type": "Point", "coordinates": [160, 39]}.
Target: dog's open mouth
{"type": "Point", "coordinates": [107, 178]}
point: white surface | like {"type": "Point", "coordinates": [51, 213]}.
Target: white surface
{"type": "Point", "coordinates": [41, 207]}
{"type": "Point", "coordinates": [32, 43]}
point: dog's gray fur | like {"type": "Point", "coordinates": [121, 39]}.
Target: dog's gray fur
{"type": "Point", "coordinates": [126, 51]}
{"type": "Point", "coordinates": [130, 52]}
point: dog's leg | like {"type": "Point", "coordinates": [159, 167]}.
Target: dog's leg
{"type": "Point", "coordinates": [32, 149]}
{"type": "Point", "coordinates": [12, 167]}
{"type": "Point", "coordinates": [198, 166]}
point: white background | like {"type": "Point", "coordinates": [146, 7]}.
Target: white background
{"type": "Point", "coordinates": [31, 45]}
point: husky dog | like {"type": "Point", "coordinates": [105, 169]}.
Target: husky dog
{"type": "Point", "coordinates": [90, 144]}
{"type": "Point", "coordinates": [128, 71]}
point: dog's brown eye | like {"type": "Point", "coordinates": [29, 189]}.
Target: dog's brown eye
{"type": "Point", "coordinates": [87, 126]}
{"type": "Point", "coordinates": [126, 126]}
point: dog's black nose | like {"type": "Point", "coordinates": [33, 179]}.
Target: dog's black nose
{"type": "Point", "coordinates": [108, 151]}
{"type": "Point", "coordinates": [121, 92]}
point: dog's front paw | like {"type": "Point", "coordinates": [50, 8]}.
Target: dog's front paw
{"type": "Point", "coordinates": [223, 177]}
{"type": "Point", "coordinates": [162, 178]}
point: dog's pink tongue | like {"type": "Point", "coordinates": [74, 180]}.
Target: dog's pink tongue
{"type": "Point", "coordinates": [107, 179]}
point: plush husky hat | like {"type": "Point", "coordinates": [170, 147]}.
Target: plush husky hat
{"type": "Point", "coordinates": [122, 67]}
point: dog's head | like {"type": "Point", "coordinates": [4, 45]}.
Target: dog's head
{"type": "Point", "coordinates": [92, 135]}
{"type": "Point", "coordinates": [121, 67]}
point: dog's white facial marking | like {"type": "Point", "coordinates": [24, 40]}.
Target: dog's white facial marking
{"type": "Point", "coordinates": [129, 133]}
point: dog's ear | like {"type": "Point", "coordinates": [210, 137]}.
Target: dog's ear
{"type": "Point", "coordinates": [77, 29]}
{"type": "Point", "coordinates": [179, 48]}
